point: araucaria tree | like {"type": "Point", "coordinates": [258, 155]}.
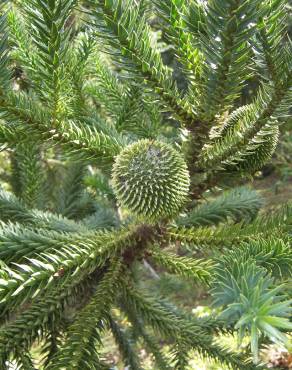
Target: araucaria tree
{"type": "Point", "coordinates": [109, 163]}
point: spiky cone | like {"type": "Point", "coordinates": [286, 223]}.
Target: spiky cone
{"type": "Point", "coordinates": [151, 179]}
{"type": "Point", "coordinates": [257, 158]}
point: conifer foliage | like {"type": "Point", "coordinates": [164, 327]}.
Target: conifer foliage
{"type": "Point", "coordinates": [109, 164]}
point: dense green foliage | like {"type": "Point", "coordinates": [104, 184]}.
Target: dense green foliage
{"type": "Point", "coordinates": [110, 161]}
